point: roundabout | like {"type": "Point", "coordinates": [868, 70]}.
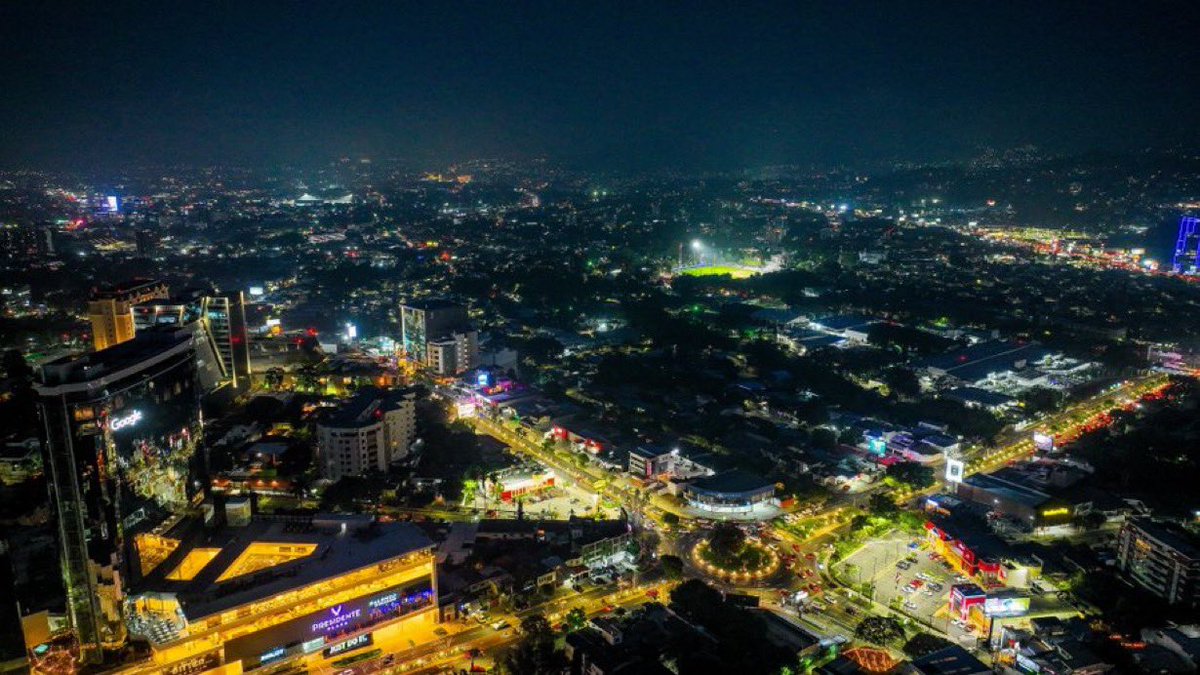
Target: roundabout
{"type": "Point", "coordinates": [734, 560]}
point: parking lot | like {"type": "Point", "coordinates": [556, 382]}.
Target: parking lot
{"type": "Point", "coordinates": [564, 500]}
{"type": "Point", "coordinates": [901, 574]}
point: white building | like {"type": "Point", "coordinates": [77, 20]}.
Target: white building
{"type": "Point", "coordinates": [372, 430]}
{"type": "Point", "coordinates": [454, 354]}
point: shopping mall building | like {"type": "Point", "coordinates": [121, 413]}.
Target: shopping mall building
{"type": "Point", "coordinates": [277, 594]}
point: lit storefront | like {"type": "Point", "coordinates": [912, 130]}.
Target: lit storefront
{"type": "Point", "coordinates": [280, 592]}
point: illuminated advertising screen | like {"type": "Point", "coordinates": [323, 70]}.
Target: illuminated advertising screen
{"type": "Point", "coordinates": [328, 625]}
{"type": "Point", "coordinates": [1006, 606]}
{"type": "Point", "coordinates": [954, 470]}
{"type": "Point", "coordinates": [1043, 441]}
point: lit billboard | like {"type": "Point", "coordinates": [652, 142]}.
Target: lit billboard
{"type": "Point", "coordinates": [954, 470]}
{"type": "Point", "coordinates": [1043, 441]}
{"type": "Point", "coordinates": [1006, 606]}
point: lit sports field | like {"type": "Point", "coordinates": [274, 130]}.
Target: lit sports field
{"type": "Point", "coordinates": [714, 270]}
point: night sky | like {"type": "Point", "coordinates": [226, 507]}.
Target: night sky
{"type": "Point", "coordinates": [596, 84]}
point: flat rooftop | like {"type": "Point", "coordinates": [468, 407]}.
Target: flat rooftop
{"type": "Point", "coordinates": [332, 545]}
{"type": "Point", "coordinates": [124, 289]}
{"type": "Point", "coordinates": [433, 304]}
{"type": "Point", "coordinates": [733, 481]}
{"type": "Point", "coordinates": [147, 344]}
{"type": "Point", "coordinates": [1172, 535]}
{"type": "Point", "coordinates": [356, 411]}
{"type": "Point", "coordinates": [978, 361]}
{"type": "Point", "coordinates": [1008, 489]}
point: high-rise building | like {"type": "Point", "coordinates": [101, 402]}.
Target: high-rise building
{"type": "Point", "coordinates": [374, 429]}
{"type": "Point", "coordinates": [1186, 259]}
{"type": "Point", "coordinates": [438, 334]}
{"type": "Point", "coordinates": [1162, 558]}
{"type": "Point", "coordinates": [120, 429]}
{"type": "Point", "coordinates": [146, 242]}
{"type": "Point", "coordinates": [111, 310]}
{"type": "Point", "coordinates": [25, 242]}
{"type": "Point", "coordinates": [456, 353]}
{"type": "Point", "coordinates": [218, 321]}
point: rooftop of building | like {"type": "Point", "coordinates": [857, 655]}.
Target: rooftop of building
{"type": "Point", "coordinates": [432, 304]}
{"type": "Point", "coordinates": [952, 660]}
{"type": "Point", "coordinates": [972, 531]}
{"type": "Point", "coordinates": [843, 321]}
{"type": "Point", "coordinates": [147, 344]}
{"type": "Point", "coordinates": [1008, 489]}
{"type": "Point", "coordinates": [1171, 535]}
{"type": "Point", "coordinates": [733, 481]}
{"type": "Point", "coordinates": [123, 289]}
{"type": "Point", "coordinates": [978, 361]}
{"type": "Point", "coordinates": [333, 545]}
{"type": "Point", "coordinates": [979, 396]}
{"type": "Point", "coordinates": [360, 410]}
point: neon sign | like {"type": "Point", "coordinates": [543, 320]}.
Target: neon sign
{"type": "Point", "coordinates": [272, 655]}
{"type": "Point", "coordinates": [129, 420]}
{"type": "Point", "coordinates": [337, 621]}
{"type": "Point", "coordinates": [1060, 511]}
{"type": "Point", "coordinates": [383, 600]}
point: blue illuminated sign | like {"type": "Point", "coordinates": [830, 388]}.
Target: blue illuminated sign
{"type": "Point", "coordinates": [272, 655]}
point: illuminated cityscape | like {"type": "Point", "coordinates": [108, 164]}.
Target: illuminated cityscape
{"type": "Point", "coordinates": [563, 339]}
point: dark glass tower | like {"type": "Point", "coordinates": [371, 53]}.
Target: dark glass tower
{"type": "Point", "coordinates": [120, 429]}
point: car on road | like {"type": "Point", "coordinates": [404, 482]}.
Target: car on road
{"type": "Point", "coordinates": [501, 625]}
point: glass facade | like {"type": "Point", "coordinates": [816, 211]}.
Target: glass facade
{"type": "Point", "coordinates": [121, 429]}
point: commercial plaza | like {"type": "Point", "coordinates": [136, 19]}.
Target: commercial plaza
{"type": "Point", "coordinates": [275, 592]}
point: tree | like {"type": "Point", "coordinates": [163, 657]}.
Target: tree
{"type": "Point", "coordinates": [911, 474]}
{"type": "Point", "coordinates": [670, 519]}
{"type": "Point", "coordinates": [903, 382]}
{"type": "Point", "coordinates": [824, 438]}
{"type": "Point", "coordinates": [881, 630]}
{"type": "Point", "coordinates": [726, 542]}
{"type": "Point", "coordinates": [535, 653]}
{"type": "Point", "coordinates": [672, 567]}
{"type": "Point", "coordinates": [1041, 400]}
{"type": "Point", "coordinates": [1092, 520]}
{"type": "Point", "coordinates": [575, 619]}
{"type": "Point", "coordinates": [923, 644]}
{"type": "Point", "coordinates": [883, 505]}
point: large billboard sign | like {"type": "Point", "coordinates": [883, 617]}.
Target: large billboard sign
{"type": "Point", "coordinates": [1043, 441]}
{"type": "Point", "coordinates": [954, 470]}
{"type": "Point", "coordinates": [1006, 606]}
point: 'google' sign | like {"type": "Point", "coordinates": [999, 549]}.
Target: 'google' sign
{"type": "Point", "coordinates": [129, 420]}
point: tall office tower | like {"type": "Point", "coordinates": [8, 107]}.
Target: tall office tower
{"type": "Point", "coordinates": [111, 310]}
{"type": "Point", "coordinates": [218, 321]}
{"type": "Point", "coordinates": [146, 242]}
{"type": "Point", "coordinates": [1187, 247]}
{"type": "Point", "coordinates": [120, 429]}
{"type": "Point", "coordinates": [25, 242]}
{"type": "Point", "coordinates": [438, 334]}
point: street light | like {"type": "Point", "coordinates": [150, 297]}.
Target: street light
{"type": "Point", "coordinates": [697, 245]}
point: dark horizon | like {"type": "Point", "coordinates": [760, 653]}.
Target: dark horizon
{"type": "Point", "coordinates": [692, 86]}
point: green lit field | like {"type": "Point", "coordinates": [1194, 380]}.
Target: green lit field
{"type": "Point", "coordinates": [715, 270]}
